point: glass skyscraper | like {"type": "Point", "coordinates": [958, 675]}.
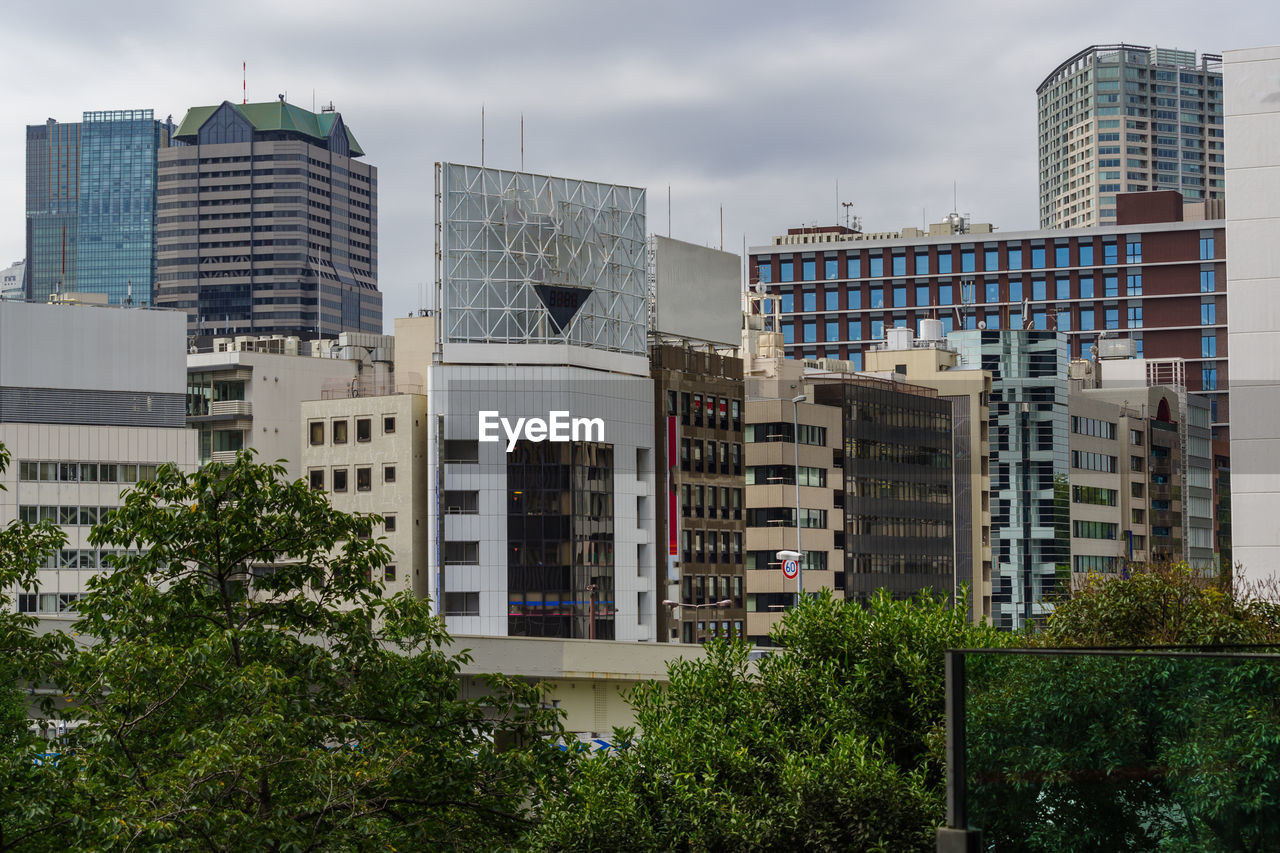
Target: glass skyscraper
{"type": "Point", "coordinates": [91, 205]}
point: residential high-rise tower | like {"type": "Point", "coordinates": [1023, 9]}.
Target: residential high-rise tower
{"type": "Point", "coordinates": [1127, 118]}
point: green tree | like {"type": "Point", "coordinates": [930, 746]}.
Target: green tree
{"type": "Point", "coordinates": [831, 743]}
{"type": "Point", "coordinates": [251, 689]}
{"type": "Point", "coordinates": [33, 794]}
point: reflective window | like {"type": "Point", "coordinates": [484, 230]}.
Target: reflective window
{"type": "Point", "coordinates": [811, 333]}
{"type": "Point", "coordinates": [788, 301]}
{"type": "Point", "coordinates": [810, 269]}
{"type": "Point", "coordinates": [1208, 345]}
{"type": "Point", "coordinates": [854, 298]}
{"type": "Point", "coordinates": [810, 300]}
{"type": "Point", "coordinates": [1037, 257]}
{"type": "Point", "coordinates": [922, 263]}
{"type": "Point", "coordinates": [1207, 282]}
{"type": "Point", "coordinates": [788, 333]}
{"type": "Point", "coordinates": [877, 266]}
{"type": "Point", "coordinates": [877, 330]}
{"type": "Point", "coordinates": [1086, 287]}
{"type": "Point", "coordinates": [900, 296]}
{"type": "Point", "coordinates": [966, 260]}
{"type": "Point", "coordinates": [993, 292]}
{"type": "Point", "coordinates": [1208, 313]}
{"type": "Point", "coordinates": [1206, 248]}
{"type": "Point", "coordinates": [832, 268]}
{"type": "Point", "coordinates": [899, 264]}
{"type": "Point", "coordinates": [1110, 286]}
{"type": "Point", "coordinates": [832, 299]}
{"type": "Point", "coordinates": [1062, 288]}
{"type": "Point", "coordinates": [1086, 254]}
{"type": "Point", "coordinates": [877, 297]}
{"type": "Point", "coordinates": [1209, 378]}
{"type": "Point", "coordinates": [1135, 316]}
{"type": "Point", "coordinates": [990, 258]}
{"type": "Point", "coordinates": [853, 267]}
{"type": "Point", "coordinates": [787, 268]}
{"type": "Point", "coordinates": [944, 294]}
{"type": "Point", "coordinates": [1015, 257]}
{"type": "Point", "coordinates": [1015, 290]}
{"type": "Point", "coordinates": [1061, 256]}
{"type": "Point", "coordinates": [833, 330]}
{"type": "Point", "coordinates": [922, 294]}
{"type": "Point", "coordinates": [944, 262]}
{"type": "Point", "coordinates": [1113, 318]}
{"type": "Point", "coordinates": [1039, 290]}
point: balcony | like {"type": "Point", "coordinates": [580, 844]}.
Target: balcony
{"type": "Point", "coordinates": [231, 409]}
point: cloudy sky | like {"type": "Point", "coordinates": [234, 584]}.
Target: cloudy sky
{"type": "Point", "coordinates": [762, 108]}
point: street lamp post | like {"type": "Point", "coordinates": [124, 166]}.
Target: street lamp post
{"type": "Point", "coordinates": [795, 411]}
{"type": "Point", "coordinates": [672, 605]}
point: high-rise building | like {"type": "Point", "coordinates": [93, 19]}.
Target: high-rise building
{"type": "Point", "coordinates": [1158, 277]}
{"type": "Point", "coordinates": [1126, 118]}
{"type": "Point", "coordinates": [91, 205]}
{"type": "Point", "coordinates": [268, 223]}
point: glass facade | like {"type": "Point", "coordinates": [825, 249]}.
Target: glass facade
{"type": "Point", "coordinates": [560, 563]}
{"type": "Point", "coordinates": [899, 489]}
{"type": "Point", "coordinates": [91, 206]}
{"type": "Point", "coordinates": [1028, 425]}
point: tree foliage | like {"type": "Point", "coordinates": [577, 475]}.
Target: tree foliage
{"type": "Point", "coordinates": [832, 743]}
{"type": "Point", "coordinates": [251, 689]}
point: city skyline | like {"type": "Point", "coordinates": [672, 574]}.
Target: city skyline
{"type": "Point", "coordinates": [764, 119]}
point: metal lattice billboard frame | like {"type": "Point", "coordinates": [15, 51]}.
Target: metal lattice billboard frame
{"type": "Point", "coordinates": [500, 234]}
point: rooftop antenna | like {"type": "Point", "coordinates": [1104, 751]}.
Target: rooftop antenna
{"type": "Point", "coordinates": [848, 209]}
{"type": "Point", "coordinates": [522, 142]}
{"type": "Point", "coordinates": [482, 135]}
{"type": "Point", "coordinates": [722, 227]}
{"type": "Point", "coordinates": [837, 199]}
{"type": "Point", "coordinates": [244, 81]}
{"type": "Point", "coordinates": [668, 210]}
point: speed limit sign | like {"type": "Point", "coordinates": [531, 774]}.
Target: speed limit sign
{"type": "Point", "coordinates": [790, 568]}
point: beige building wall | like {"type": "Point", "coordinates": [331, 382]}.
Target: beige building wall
{"type": "Point", "coordinates": [761, 582]}
{"type": "Point", "coordinates": [370, 455]}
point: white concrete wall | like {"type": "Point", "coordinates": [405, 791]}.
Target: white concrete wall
{"type": "Point", "coordinates": [1251, 80]}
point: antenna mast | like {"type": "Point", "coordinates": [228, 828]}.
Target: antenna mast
{"type": "Point", "coordinates": [244, 82]}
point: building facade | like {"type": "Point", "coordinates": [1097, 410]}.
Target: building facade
{"type": "Point", "coordinates": [1127, 118]}
{"type": "Point", "coordinates": [1028, 428]}
{"type": "Point", "coordinates": [1156, 278]}
{"type": "Point", "coordinates": [1253, 177]}
{"type": "Point", "coordinates": [698, 421]}
{"type": "Point", "coordinates": [268, 223]}
{"type": "Point", "coordinates": [91, 205]}
{"type": "Point", "coordinates": [13, 281]}
{"type": "Point", "coordinates": [83, 422]}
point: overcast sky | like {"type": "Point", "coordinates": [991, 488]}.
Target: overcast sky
{"type": "Point", "coordinates": [760, 107]}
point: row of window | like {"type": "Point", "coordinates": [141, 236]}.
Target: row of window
{"type": "Point", "coordinates": [902, 454]}
{"type": "Point", "coordinates": [1086, 563]}
{"type": "Point", "coordinates": [85, 472]}
{"type": "Point", "coordinates": [786, 431]}
{"type": "Point", "coordinates": [897, 490]}
{"type": "Point", "coordinates": [769, 475]}
{"type": "Point", "coordinates": [1093, 461]}
{"type": "Point", "coordinates": [898, 528]}
{"type": "Point", "coordinates": [708, 589]}
{"type": "Point", "coordinates": [810, 561]}
{"type": "Point", "coordinates": [697, 410]}
{"type": "Point", "coordinates": [67, 516]}
{"type": "Point", "coordinates": [710, 501]}
{"type": "Point", "coordinates": [339, 479]}
{"type": "Point", "coordinates": [693, 457]}
{"type": "Point", "coordinates": [711, 546]}
{"type": "Point", "coordinates": [1093, 529]}
{"type": "Point", "coordinates": [785, 516]}
{"type": "Point", "coordinates": [339, 430]}
{"type": "Point", "coordinates": [1094, 427]}
{"type": "Point", "coordinates": [940, 260]}
{"type": "Point", "coordinates": [1095, 495]}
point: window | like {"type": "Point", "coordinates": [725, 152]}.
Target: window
{"type": "Point", "coordinates": [990, 258]}
{"type": "Point", "coordinates": [462, 553]}
{"type": "Point", "coordinates": [1037, 257]}
{"type": "Point", "coordinates": [1086, 287]}
{"type": "Point", "coordinates": [831, 299]}
{"type": "Point", "coordinates": [340, 432]}
{"type": "Point", "coordinates": [462, 604]}
{"type": "Point", "coordinates": [944, 263]}
{"type": "Point", "coordinates": [389, 523]}
{"type": "Point", "coordinates": [877, 297]}
{"type": "Point", "coordinates": [877, 267]}
{"type": "Point", "coordinates": [1110, 254]}
{"type": "Point", "coordinates": [316, 431]}
{"type": "Point", "coordinates": [966, 260]}
{"type": "Point", "coordinates": [1095, 495]}
{"type": "Point", "coordinates": [993, 292]}
{"type": "Point", "coordinates": [461, 450]}
{"type": "Point", "coordinates": [788, 333]}
{"type": "Point", "coordinates": [787, 302]}
{"type": "Point", "coordinates": [1208, 378]}
{"type": "Point", "coordinates": [1135, 316]}
{"type": "Point", "coordinates": [1015, 257]}
{"type": "Point", "coordinates": [922, 294]}
{"type": "Point", "coordinates": [1110, 285]}
{"type": "Point", "coordinates": [922, 263]}
{"type": "Point", "coordinates": [388, 425]}
{"type": "Point", "coordinates": [809, 300]}
{"type": "Point", "coordinates": [853, 267]}
{"type": "Point", "coordinates": [899, 264]}
{"type": "Point", "coordinates": [764, 272]}
{"type": "Point", "coordinates": [1086, 254]}
{"type": "Point", "coordinates": [1136, 463]}
{"type": "Point", "coordinates": [364, 429]}
{"type": "Point", "coordinates": [811, 333]}
{"type": "Point", "coordinates": [461, 502]}
{"type": "Point", "coordinates": [1093, 461]}
{"type": "Point", "coordinates": [1062, 256]}
{"type": "Point", "coordinates": [1208, 344]}
{"type": "Point", "coordinates": [1039, 289]}
{"type": "Point", "coordinates": [1133, 284]}
{"type": "Point", "coordinates": [339, 479]}
{"type": "Point", "coordinates": [854, 298]}
{"type": "Point", "coordinates": [1093, 530]}
{"type": "Point", "coordinates": [1062, 288]}
{"type": "Point", "coordinates": [787, 267]}
{"type": "Point", "coordinates": [389, 573]}
{"type": "Point", "coordinates": [809, 269]}
{"type": "Point", "coordinates": [831, 268]}
{"type": "Point", "coordinates": [1208, 313]}
{"type": "Point", "coordinates": [1113, 318]}
{"type": "Point", "coordinates": [945, 295]}
{"type": "Point", "coordinates": [1133, 252]}
{"type": "Point", "coordinates": [316, 476]}
{"type": "Point", "coordinates": [1207, 281]}
{"type": "Point", "coordinates": [1206, 248]}
{"type": "Point", "coordinates": [364, 479]}
{"type": "Point", "coordinates": [388, 473]}
{"type": "Point", "coordinates": [1015, 290]}
{"type": "Point", "coordinates": [900, 297]}
{"type": "Point", "coordinates": [833, 330]}
{"type": "Point", "coordinates": [877, 330]}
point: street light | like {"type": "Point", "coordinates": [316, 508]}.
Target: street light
{"type": "Point", "coordinates": [723, 603]}
{"type": "Point", "coordinates": [795, 411]}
